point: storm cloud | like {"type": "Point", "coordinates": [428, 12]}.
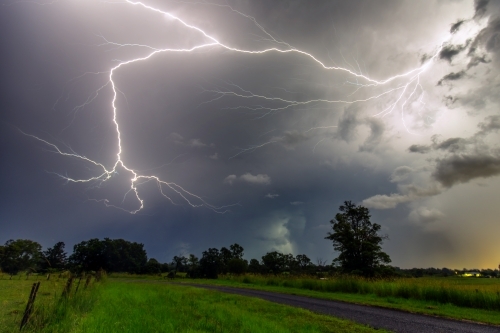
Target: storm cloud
{"type": "Point", "coordinates": [263, 147]}
{"type": "Point", "coordinates": [462, 168]}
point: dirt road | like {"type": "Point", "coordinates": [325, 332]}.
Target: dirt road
{"type": "Point", "coordinates": [393, 320]}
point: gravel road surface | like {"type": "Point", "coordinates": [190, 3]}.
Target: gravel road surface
{"type": "Point", "coordinates": [392, 320]}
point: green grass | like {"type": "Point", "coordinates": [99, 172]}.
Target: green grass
{"type": "Point", "coordinates": [14, 296]}
{"type": "Point", "coordinates": [117, 306]}
{"type": "Point", "coordinates": [458, 298]}
{"type": "Point", "coordinates": [49, 308]}
{"type": "Point", "coordinates": [150, 304]}
{"type": "Point", "coordinates": [142, 307]}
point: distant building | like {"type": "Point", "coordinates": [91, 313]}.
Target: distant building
{"type": "Point", "coordinates": [472, 274]}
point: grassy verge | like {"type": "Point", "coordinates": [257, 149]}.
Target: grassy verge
{"type": "Point", "coordinates": [117, 306]}
{"type": "Point", "coordinates": [51, 312]}
{"type": "Point", "coordinates": [370, 297]}
{"type": "Point", "coordinates": [141, 307]}
{"type": "Point", "coordinates": [14, 296]}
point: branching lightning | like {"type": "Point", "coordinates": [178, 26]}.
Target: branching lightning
{"type": "Point", "coordinates": [411, 83]}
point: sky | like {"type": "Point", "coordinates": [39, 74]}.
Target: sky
{"type": "Point", "coordinates": [185, 125]}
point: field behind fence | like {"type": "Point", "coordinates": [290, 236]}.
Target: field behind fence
{"type": "Point", "coordinates": [56, 300]}
{"type": "Point", "coordinates": [475, 293]}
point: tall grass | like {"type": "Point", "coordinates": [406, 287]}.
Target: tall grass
{"type": "Point", "coordinates": [157, 307]}
{"type": "Point", "coordinates": [52, 312]}
{"type": "Point", "coordinates": [463, 292]}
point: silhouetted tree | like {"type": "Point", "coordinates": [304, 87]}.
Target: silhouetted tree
{"type": "Point", "coordinates": [180, 263]}
{"type": "Point", "coordinates": [237, 266]}
{"type": "Point", "coordinates": [225, 256]}
{"type": "Point", "coordinates": [112, 255]}
{"type": "Point", "coordinates": [20, 255]}
{"type": "Point", "coordinates": [88, 256]}
{"type": "Point", "coordinates": [357, 240]}
{"type": "Point", "coordinates": [236, 251]}
{"type": "Point", "coordinates": [273, 262]}
{"type": "Point", "coordinates": [303, 263]}
{"type": "Point", "coordinates": [254, 266]}
{"type": "Point", "coordinates": [54, 258]}
{"type": "Point", "coordinates": [193, 266]}
{"type": "Point", "coordinates": [152, 267]}
{"type": "Point", "coordinates": [210, 263]}
{"type": "Point", "coordinates": [124, 256]}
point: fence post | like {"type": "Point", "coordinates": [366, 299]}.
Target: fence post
{"type": "Point", "coordinates": [29, 306]}
{"type": "Point", "coordinates": [89, 277]}
{"type": "Point", "coordinates": [67, 288]}
{"type": "Point", "coordinates": [78, 285]}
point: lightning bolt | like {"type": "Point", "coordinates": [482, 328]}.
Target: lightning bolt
{"type": "Point", "coordinates": [411, 84]}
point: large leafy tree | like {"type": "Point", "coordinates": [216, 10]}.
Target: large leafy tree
{"type": "Point", "coordinates": [112, 255]}
{"type": "Point", "coordinates": [303, 263]}
{"type": "Point", "coordinates": [357, 240]}
{"type": "Point", "coordinates": [225, 256]}
{"type": "Point", "coordinates": [20, 255]}
{"type": "Point", "coordinates": [152, 267]}
{"type": "Point", "coordinates": [54, 257]}
{"type": "Point", "coordinates": [210, 263]}
{"type": "Point", "coordinates": [89, 256]}
{"type": "Point", "coordinates": [274, 262]}
{"type": "Point", "coordinates": [254, 266]}
{"type": "Point", "coordinates": [180, 263]}
{"type": "Point", "coordinates": [236, 251]}
{"type": "Point", "coordinates": [124, 256]}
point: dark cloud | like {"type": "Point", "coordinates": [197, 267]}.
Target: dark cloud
{"type": "Point", "coordinates": [424, 58]}
{"type": "Point", "coordinates": [489, 38]}
{"type": "Point", "coordinates": [450, 51]}
{"type": "Point", "coordinates": [291, 139]}
{"type": "Point", "coordinates": [480, 7]}
{"type": "Point", "coordinates": [491, 124]}
{"type": "Point", "coordinates": [476, 60]}
{"type": "Point", "coordinates": [462, 168]}
{"type": "Point", "coordinates": [422, 149]}
{"type": "Point", "coordinates": [168, 94]}
{"type": "Point", "coordinates": [456, 26]}
{"type": "Point", "coordinates": [377, 129]}
{"type": "Point", "coordinates": [453, 145]}
{"type": "Point", "coordinates": [451, 77]}
{"type": "Point", "coordinates": [400, 173]}
{"type": "Point", "coordinates": [348, 123]}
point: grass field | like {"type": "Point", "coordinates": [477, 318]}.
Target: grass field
{"type": "Point", "coordinates": [459, 298]}
{"type": "Point", "coordinates": [14, 296]}
{"type": "Point", "coordinates": [118, 306]}
{"type": "Point", "coordinates": [51, 309]}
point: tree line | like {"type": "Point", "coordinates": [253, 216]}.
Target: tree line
{"type": "Point", "coordinates": [356, 239]}
{"type": "Point", "coordinates": [119, 255]}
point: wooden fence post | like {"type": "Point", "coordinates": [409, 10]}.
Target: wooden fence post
{"type": "Point", "coordinates": [89, 277]}
{"type": "Point", "coordinates": [29, 306]}
{"type": "Point", "coordinates": [78, 285]}
{"type": "Point", "coordinates": [67, 288]}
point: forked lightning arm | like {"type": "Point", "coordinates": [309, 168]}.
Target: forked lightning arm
{"type": "Point", "coordinates": [412, 83]}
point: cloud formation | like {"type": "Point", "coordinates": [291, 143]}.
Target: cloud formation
{"type": "Point", "coordinates": [462, 168]}
{"type": "Point", "coordinates": [175, 95]}
{"type": "Point", "coordinates": [193, 143]}
{"type": "Point", "coordinates": [424, 215]}
{"type": "Point", "coordinates": [400, 174]}
{"type": "Point", "coordinates": [259, 179]}
{"type": "Point", "coordinates": [409, 193]}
